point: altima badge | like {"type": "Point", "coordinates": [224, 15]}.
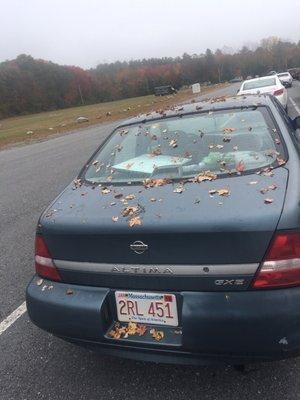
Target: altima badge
{"type": "Point", "coordinates": [139, 247]}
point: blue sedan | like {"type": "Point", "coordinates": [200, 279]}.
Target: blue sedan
{"type": "Point", "coordinates": [179, 241]}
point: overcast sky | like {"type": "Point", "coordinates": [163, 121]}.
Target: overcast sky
{"type": "Point", "coordinates": [88, 32]}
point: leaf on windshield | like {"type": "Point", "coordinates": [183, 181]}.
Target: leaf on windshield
{"type": "Point", "coordinates": [129, 165]}
{"type": "Point", "coordinates": [240, 167]}
{"type": "Point", "coordinates": [135, 221]}
{"type": "Point", "coordinates": [228, 130]}
{"type": "Point", "coordinates": [173, 143]}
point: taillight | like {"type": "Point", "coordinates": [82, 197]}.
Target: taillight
{"type": "Point", "coordinates": [44, 265]}
{"type": "Point", "coordinates": [278, 92]}
{"type": "Point", "coordinates": [281, 267]}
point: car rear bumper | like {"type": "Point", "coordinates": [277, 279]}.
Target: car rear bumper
{"type": "Point", "coordinates": [217, 327]}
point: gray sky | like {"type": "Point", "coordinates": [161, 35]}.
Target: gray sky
{"type": "Point", "coordinates": [87, 32]}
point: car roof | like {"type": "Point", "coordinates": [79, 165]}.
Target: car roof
{"type": "Point", "coordinates": [260, 78]}
{"type": "Point", "coordinates": [211, 104]}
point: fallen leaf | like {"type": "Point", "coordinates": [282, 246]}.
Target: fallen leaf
{"type": "Point", "coordinates": [130, 197]}
{"type": "Point", "coordinates": [148, 183]}
{"type": "Point", "coordinates": [240, 167]}
{"type": "Point", "coordinates": [129, 211]}
{"type": "Point", "coordinates": [141, 330]}
{"type": "Point", "coordinates": [173, 143]}
{"type": "Point", "coordinates": [135, 221]}
{"type": "Point", "coordinates": [179, 189]}
{"type": "Point", "coordinates": [105, 191]}
{"type": "Point", "coordinates": [204, 176]}
{"type": "Point", "coordinates": [118, 195]}
{"type": "Point", "coordinates": [115, 219]}
{"type": "Point", "coordinates": [228, 130]}
{"type": "Point", "coordinates": [157, 335]}
{"type": "Point", "coordinates": [280, 161]}
{"type": "Point", "coordinates": [69, 292]}
{"type": "Point", "coordinates": [268, 201]}
{"type": "Point", "coordinates": [131, 328]}
{"type": "Point", "coordinates": [223, 192]}
{"type": "Point", "coordinates": [39, 282]}
{"type": "Point", "coordinates": [253, 183]}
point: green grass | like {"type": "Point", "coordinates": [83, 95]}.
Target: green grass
{"type": "Point", "coordinates": [35, 127]}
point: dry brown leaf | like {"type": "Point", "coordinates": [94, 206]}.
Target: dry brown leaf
{"type": "Point", "coordinates": [228, 130]}
{"type": "Point", "coordinates": [173, 143]}
{"type": "Point", "coordinates": [115, 219]}
{"type": "Point", "coordinates": [105, 191]}
{"type": "Point", "coordinates": [135, 221]}
{"type": "Point", "coordinates": [141, 330]}
{"type": "Point", "coordinates": [157, 335]}
{"type": "Point", "coordinates": [223, 192]}
{"type": "Point", "coordinates": [240, 167]}
{"type": "Point", "coordinates": [268, 201]}
{"type": "Point", "coordinates": [130, 197]}
{"type": "Point", "coordinates": [179, 189]}
{"type": "Point", "coordinates": [129, 211]}
{"type": "Point", "coordinates": [148, 183]}
{"type": "Point", "coordinates": [131, 328]}
{"type": "Point", "coordinates": [205, 176]}
{"type": "Point", "coordinates": [280, 161]}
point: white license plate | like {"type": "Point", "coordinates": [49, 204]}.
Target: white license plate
{"type": "Point", "coordinates": [147, 308]}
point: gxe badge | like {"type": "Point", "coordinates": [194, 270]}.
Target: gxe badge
{"type": "Point", "coordinates": [139, 247]}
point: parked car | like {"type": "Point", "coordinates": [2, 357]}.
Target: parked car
{"type": "Point", "coordinates": [286, 79]}
{"type": "Point", "coordinates": [265, 84]}
{"type": "Point", "coordinates": [236, 79]}
{"type": "Point", "coordinates": [179, 241]}
{"type": "Point", "coordinates": [164, 90]}
{"type": "Point", "coordinates": [295, 72]}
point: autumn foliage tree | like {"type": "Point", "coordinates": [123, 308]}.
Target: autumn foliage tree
{"type": "Point", "coordinates": [28, 85]}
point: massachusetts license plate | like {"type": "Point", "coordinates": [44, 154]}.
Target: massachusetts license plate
{"type": "Point", "coordinates": [147, 308]}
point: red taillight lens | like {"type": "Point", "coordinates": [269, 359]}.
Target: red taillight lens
{"type": "Point", "coordinates": [43, 261]}
{"type": "Point", "coordinates": [278, 92]}
{"type": "Point", "coordinates": [281, 267]}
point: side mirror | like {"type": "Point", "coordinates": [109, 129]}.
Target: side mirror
{"type": "Point", "coordinates": [296, 123]}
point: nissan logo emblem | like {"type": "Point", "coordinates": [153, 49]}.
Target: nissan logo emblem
{"type": "Point", "coordinates": [139, 247]}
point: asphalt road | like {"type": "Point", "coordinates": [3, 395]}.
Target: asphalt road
{"type": "Point", "coordinates": [35, 365]}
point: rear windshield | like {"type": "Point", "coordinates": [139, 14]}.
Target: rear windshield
{"type": "Point", "coordinates": [283, 74]}
{"type": "Point", "coordinates": [259, 83]}
{"type": "Point", "coordinates": [176, 148]}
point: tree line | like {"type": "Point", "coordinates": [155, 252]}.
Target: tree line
{"type": "Point", "coordinates": [29, 85]}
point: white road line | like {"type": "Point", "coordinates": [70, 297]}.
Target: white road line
{"type": "Point", "coordinates": [11, 319]}
{"type": "Point", "coordinates": [295, 105]}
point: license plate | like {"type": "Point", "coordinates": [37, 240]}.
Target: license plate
{"type": "Point", "coordinates": [147, 308]}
